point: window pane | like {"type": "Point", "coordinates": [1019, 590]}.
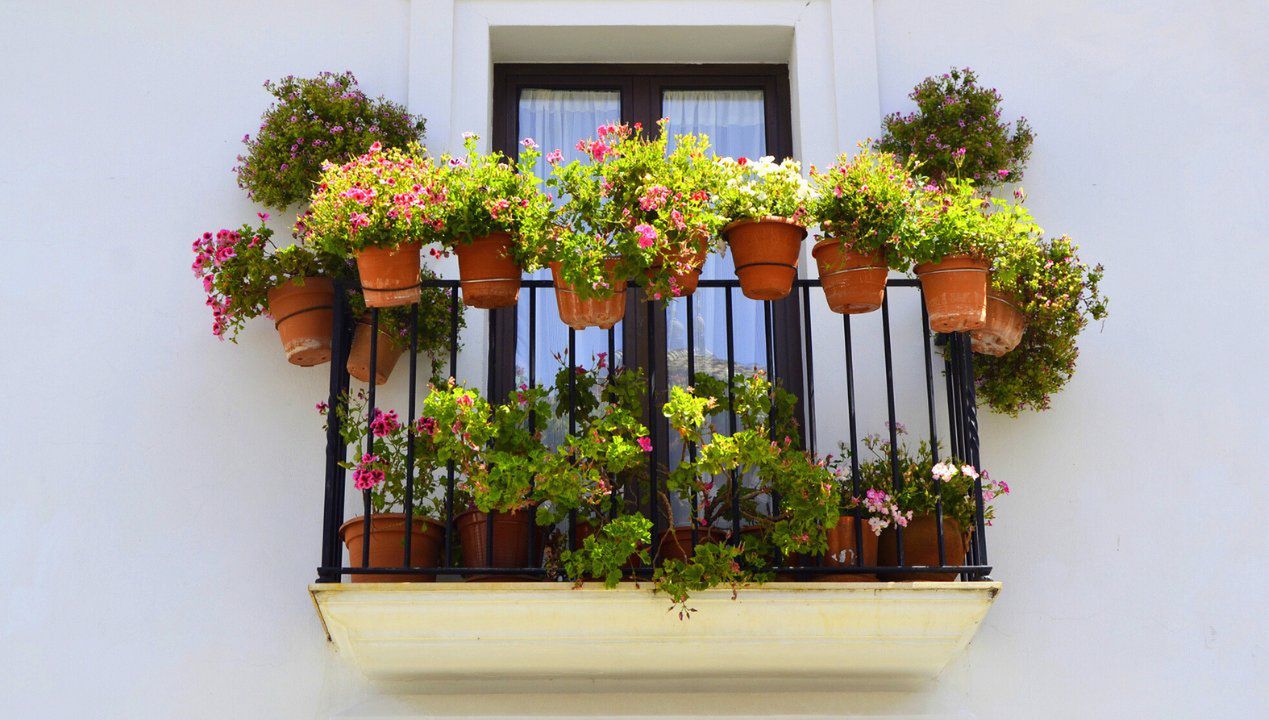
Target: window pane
{"type": "Point", "coordinates": [557, 119]}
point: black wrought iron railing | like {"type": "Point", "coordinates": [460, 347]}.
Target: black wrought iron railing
{"type": "Point", "coordinates": [944, 359]}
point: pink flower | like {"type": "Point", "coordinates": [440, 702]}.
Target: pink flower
{"type": "Point", "coordinates": [529, 144]}
{"type": "Point", "coordinates": [322, 407]}
{"type": "Point", "coordinates": [383, 423]}
{"type": "Point", "coordinates": [376, 146]}
{"type": "Point", "coordinates": [645, 443]}
{"type": "Point", "coordinates": [427, 425]}
{"type": "Point", "coordinates": [464, 401]}
{"type": "Point", "coordinates": [654, 197]}
{"type": "Point", "coordinates": [262, 216]}
{"type": "Point", "coordinates": [358, 220]}
{"type": "Point", "coordinates": [647, 235]}
{"type": "Point", "coordinates": [366, 476]}
{"type": "Point", "coordinates": [555, 157]}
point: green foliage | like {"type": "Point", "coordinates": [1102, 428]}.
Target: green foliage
{"type": "Point", "coordinates": [1060, 294]}
{"type": "Point", "coordinates": [868, 202]}
{"type": "Point", "coordinates": [712, 565]}
{"type": "Point", "coordinates": [486, 193]}
{"type": "Point", "coordinates": [238, 268]}
{"type": "Point", "coordinates": [604, 554]}
{"type": "Point", "coordinates": [759, 188]}
{"type": "Point", "coordinates": [956, 132]}
{"type": "Point", "coordinates": [313, 120]}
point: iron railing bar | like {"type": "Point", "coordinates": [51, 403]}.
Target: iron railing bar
{"type": "Point", "coordinates": [690, 326]}
{"type": "Point", "coordinates": [854, 442]}
{"type": "Point", "coordinates": [934, 435]}
{"type": "Point", "coordinates": [449, 466]}
{"type": "Point", "coordinates": [409, 432]}
{"type": "Point", "coordinates": [370, 436]}
{"type": "Point", "coordinates": [731, 414]}
{"type": "Point", "coordinates": [336, 450]}
{"type": "Point", "coordinates": [894, 428]}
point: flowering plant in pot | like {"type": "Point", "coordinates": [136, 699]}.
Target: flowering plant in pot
{"type": "Point", "coordinates": [435, 324]}
{"type": "Point", "coordinates": [1058, 295]}
{"type": "Point", "coordinates": [766, 205]}
{"type": "Point", "coordinates": [956, 131]}
{"type": "Point", "coordinates": [380, 468]}
{"type": "Point", "coordinates": [245, 275]}
{"type": "Point", "coordinates": [924, 487]}
{"type": "Point", "coordinates": [313, 120]}
{"type": "Point", "coordinates": [1015, 263]}
{"type": "Point", "coordinates": [866, 206]}
{"type": "Point", "coordinates": [494, 214]}
{"type": "Point", "coordinates": [378, 207]}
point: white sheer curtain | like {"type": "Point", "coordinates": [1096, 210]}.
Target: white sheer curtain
{"type": "Point", "coordinates": [557, 119]}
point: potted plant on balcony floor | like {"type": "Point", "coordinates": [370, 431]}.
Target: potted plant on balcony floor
{"type": "Point", "coordinates": [434, 327]}
{"type": "Point", "coordinates": [924, 487]}
{"type": "Point", "coordinates": [866, 206]}
{"type": "Point", "coordinates": [379, 208]}
{"type": "Point", "coordinates": [766, 205]}
{"type": "Point", "coordinates": [494, 213]}
{"type": "Point", "coordinates": [380, 468]}
{"type": "Point", "coordinates": [245, 275]}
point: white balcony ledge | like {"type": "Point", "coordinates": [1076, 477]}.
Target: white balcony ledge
{"type": "Point", "coordinates": [510, 636]}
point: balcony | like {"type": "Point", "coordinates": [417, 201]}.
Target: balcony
{"type": "Point", "coordinates": [892, 616]}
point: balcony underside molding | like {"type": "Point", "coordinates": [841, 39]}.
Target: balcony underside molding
{"type": "Point", "coordinates": [501, 635]}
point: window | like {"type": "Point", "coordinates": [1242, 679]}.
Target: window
{"type": "Point", "coordinates": [745, 111]}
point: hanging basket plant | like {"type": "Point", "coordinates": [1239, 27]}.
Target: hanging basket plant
{"type": "Point", "coordinates": [866, 206]}
{"type": "Point", "coordinates": [245, 275]}
{"type": "Point", "coordinates": [311, 121]}
{"type": "Point", "coordinates": [380, 208]}
{"type": "Point", "coordinates": [766, 203]}
{"type": "Point", "coordinates": [495, 212]}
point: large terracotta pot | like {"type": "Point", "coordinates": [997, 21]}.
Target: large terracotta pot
{"type": "Point", "coordinates": [853, 282]}
{"type": "Point", "coordinates": [510, 542]}
{"type": "Point", "coordinates": [842, 552]}
{"type": "Point", "coordinates": [488, 271]}
{"type": "Point", "coordinates": [1004, 328]}
{"type": "Point", "coordinates": [579, 313]}
{"type": "Point", "coordinates": [387, 545]}
{"type": "Point", "coordinates": [389, 277]}
{"type": "Point", "coordinates": [387, 351]}
{"type": "Point", "coordinates": [302, 312]}
{"type": "Point", "coordinates": [765, 252]}
{"type": "Point", "coordinates": [676, 543]}
{"type": "Point", "coordinates": [955, 291]}
{"type": "Point", "coordinates": [921, 547]}
{"type": "Point", "coordinates": [686, 282]}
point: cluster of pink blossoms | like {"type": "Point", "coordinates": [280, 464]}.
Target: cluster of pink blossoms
{"type": "Point", "coordinates": [367, 476]}
{"type": "Point", "coordinates": [654, 198]}
{"type": "Point", "coordinates": [384, 423]}
{"type": "Point", "coordinates": [210, 253]}
{"type": "Point", "coordinates": [884, 511]}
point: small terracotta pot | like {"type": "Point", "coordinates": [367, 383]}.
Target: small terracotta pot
{"type": "Point", "coordinates": [580, 314]}
{"type": "Point", "coordinates": [510, 542]}
{"type": "Point", "coordinates": [387, 351]}
{"type": "Point", "coordinates": [955, 291]}
{"type": "Point", "coordinates": [488, 271]}
{"type": "Point", "coordinates": [389, 277]}
{"type": "Point", "coordinates": [687, 282]}
{"type": "Point", "coordinates": [765, 252]}
{"type": "Point", "coordinates": [387, 545]}
{"type": "Point", "coordinates": [842, 553]}
{"type": "Point", "coordinates": [853, 282]}
{"type": "Point", "coordinates": [303, 315]}
{"type": "Point", "coordinates": [1004, 328]}
{"type": "Point", "coordinates": [921, 547]}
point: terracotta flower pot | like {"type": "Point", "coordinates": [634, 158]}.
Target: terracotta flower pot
{"type": "Point", "coordinates": [921, 547]}
{"type": "Point", "coordinates": [1004, 328]}
{"type": "Point", "coordinates": [686, 282]}
{"type": "Point", "coordinates": [303, 314]}
{"type": "Point", "coordinates": [510, 542]}
{"type": "Point", "coordinates": [955, 290]}
{"type": "Point", "coordinates": [579, 313]}
{"type": "Point", "coordinates": [387, 545]}
{"type": "Point", "coordinates": [765, 252]}
{"type": "Point", "coordinates": [389, 277]}
{"type": "Point", "coordinates": [853, 282]}
{"type": "Point", "coordinates": [387, 351]}
{"type": "Point", "coordinates": [488, 271]}
{"type": "Point", "coordinates": [841, 552]}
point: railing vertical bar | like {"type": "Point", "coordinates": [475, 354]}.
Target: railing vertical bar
{"type": "Point", "coordinates": [810, 369]}
{"type": "Point", "coordinates": [971, 428]}
{"type": "Point", "coordinates": [854, 442]}
{"type": "Point", "coordinates": [769, 351]}
{"type": "Point", "coordinates": [612, 369]}
{"type": "Point", "coordinates": [934, 433]}
{"type": "Point", "coordinates": [449, 466]}
{"type": "Point", "coordinates": [370, 436]}
{"type": "Point", "coordinates": [409, 434]}
{"type": "Point", "coordinates": [731, 414]}
{"type": "Point", "coordinates": [533, 420]}
{"type": "Point", "coordinates": [332, 552]}
{"type": "Point", "coordinates": [691, 381]}
{"type": "Point", "coordinates": [894, 427]}
{"type": "Point", "coordinates": [653, 486]}
{"type": "Point", "coordinates": [572, 421]}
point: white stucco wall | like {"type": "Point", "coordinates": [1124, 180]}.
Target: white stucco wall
{"type": "Point", "coordinates": [163, 507]}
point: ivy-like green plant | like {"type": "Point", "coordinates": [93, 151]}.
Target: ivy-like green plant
{"type": "Point", "coordinates": [238, 268]}
{"type": "Point", "coordinates": [1060, 295]}
{"type": "Point", "coordinates": [868, 202]}
{"type": "Point", "coordinates": [956, 132]}
{"type": "Point", "coordinates": [311, 121]}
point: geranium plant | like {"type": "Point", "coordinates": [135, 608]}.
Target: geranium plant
{"type": "Point", "coordinates": [867, 202]}
{"type": "Point", "coordinates": [957, 132]}
{"type": "Point", "coordinates": [238, 268]}
{"type": "Point", "coordinates": [381, 199]}
{"type": "Point", "coordinates": [754, 189]}
{"type": "Point", "coordinates": [1059, 295]}
{"type": "Point", "coordinates": [311, 121]}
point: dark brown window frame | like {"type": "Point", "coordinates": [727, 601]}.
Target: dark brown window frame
{"type": "Point", "coordinates": [641, 87]}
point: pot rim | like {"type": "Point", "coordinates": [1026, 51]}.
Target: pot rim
{"type": "Point", "coordinates": [412, 244]}
{"type": "Point", "coordinates": [878, 256]}
{"type": "Point", "coordinates": [765, 219]}
{"type": "Point", "coordinates": [360, 520]}
{"type": "Point", "coordinates": [968, 263]}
